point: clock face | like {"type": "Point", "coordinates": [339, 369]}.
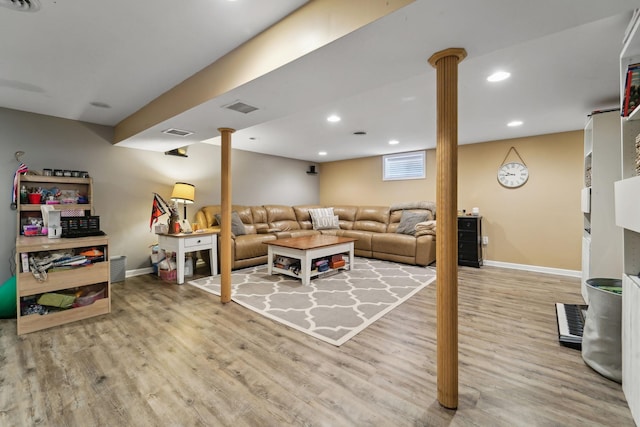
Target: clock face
{"type": "Point", "coordinates": [513, 175]}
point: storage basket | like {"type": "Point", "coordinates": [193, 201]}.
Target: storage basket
{"type": "Point", "coordinates": [168, 275]}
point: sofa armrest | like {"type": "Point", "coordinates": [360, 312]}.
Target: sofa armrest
{"type": "Point", "coordinates": [282, 234]}
{"type": "Point", "coordinates": [201, 220]}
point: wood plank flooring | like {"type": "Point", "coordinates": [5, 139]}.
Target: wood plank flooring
{"type": "Point", "coordinates": [172, 355]}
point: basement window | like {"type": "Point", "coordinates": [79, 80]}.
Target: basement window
{"type": "Point", "coordinates": [404, 166]}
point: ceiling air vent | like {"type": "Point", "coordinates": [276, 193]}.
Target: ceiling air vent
{"type": "Point", "coordinates": [240, 107]}
{"type": "Point", "coordinates": [177, 132]}
{"type": "Point", "coordinates": [21, 5]}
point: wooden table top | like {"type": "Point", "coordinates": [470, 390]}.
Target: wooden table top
{"type": "Point", "coordinates": [310, 242]}
{"type": "Point", "coordinates": [201, 232]}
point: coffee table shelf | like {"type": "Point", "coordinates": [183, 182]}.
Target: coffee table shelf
{"type": "Point", "coordinates": [313, 273]}
{"type": "Point", "coordinates": [305, 249]}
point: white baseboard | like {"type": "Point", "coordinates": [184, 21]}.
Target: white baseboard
{"type": "Point", "coordinates": [138, 272]}
{"type": "Point", "coordinates": [535, 268]}
{"type": "Point", "coordinates": [149, 270]}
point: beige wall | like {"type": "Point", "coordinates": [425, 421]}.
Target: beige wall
{"type": "Point", "coordinates": [538, 224]}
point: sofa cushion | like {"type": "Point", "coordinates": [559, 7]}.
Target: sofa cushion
{"type": "Point", "coordinates": [237, 227]}
{"type": "Point", "coordinates": [281, 217]}
{"type": "Point", "coordinates": [421, 205]}
{"type": "Point", "coordinates": [252, 245]}
{"type": "Point", "coordinates": [363, 238]}
{"type": "Point", "coordinates": [393, 244]}
{"type": "Point", "coordinates": [409, 220]}
{"type": "Point", "coordinates": [346, 216]}
{"type": "Point", "coordinates": [372, 218]}
{"type": "Point", "coordinates": [300, 233]}
{"type": "Point", "coordinates": [259, 216]}
{"type": "Point", "coordinates": [303, 217]}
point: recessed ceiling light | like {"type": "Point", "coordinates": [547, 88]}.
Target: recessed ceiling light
{"type": "Point", "coordinates": [498, 76]}
{"type": "Point", "coordinates": [514, 123]}
{"type": "Point", "coordinates": [322, 153]}
{"type": "Point", "coordinates": [333, 118]}
{"type": "Point", "coordinates": [394, 142]}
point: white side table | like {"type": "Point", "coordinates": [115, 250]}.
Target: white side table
{"type": "Point", "coordinates": [182, 243]}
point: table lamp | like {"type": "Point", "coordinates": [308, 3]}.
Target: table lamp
{"type": "Point", "coordinates": [183, 193]}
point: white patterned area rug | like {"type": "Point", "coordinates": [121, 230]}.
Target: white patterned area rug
{"type": "Point", "coordinates": [334, 307]}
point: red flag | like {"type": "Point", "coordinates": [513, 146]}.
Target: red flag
{"type": "Point", "coordinates": [157, 210]}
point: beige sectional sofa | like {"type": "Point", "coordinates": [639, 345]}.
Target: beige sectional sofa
{"type": "Point", "coordinates": [382, 232]}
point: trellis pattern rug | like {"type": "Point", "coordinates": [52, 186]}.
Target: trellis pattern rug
{"type": "Point", "coordinates": [334, 307]}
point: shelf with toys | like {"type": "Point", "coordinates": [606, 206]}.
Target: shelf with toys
{"type": "Point", "coordinates": [61, 277]}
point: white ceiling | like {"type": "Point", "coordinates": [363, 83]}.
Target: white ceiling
{"type": "Point", "coordinates": [562, 54]}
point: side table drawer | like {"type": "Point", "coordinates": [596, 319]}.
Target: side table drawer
{"type": "Point", "coordinates": [198, 241]}
{"type": "Point", "coordinates": [468, 223]}
{"type": "Point", "coordinates": [468, 236]}
{"type": "Point", "coordinates": [471, 247]}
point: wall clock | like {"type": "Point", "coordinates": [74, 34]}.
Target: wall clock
{"type": "Point", "coordinates": [513, 174]}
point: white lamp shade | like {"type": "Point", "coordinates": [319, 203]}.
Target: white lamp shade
{"type": "Point", "coordinates": [183, 192]}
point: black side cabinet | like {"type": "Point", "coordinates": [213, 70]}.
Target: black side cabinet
{"type": "Point", "coordinates": [470, 241]}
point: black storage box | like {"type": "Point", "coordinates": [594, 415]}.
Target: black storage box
{"type": "Point", "coordinates": [81, 226]}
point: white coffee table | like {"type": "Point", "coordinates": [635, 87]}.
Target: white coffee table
{"type": "Point", "coordinates": [307, 249]}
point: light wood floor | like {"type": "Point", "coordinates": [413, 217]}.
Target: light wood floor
{"type": "Point", "coordinates": [172, 355]}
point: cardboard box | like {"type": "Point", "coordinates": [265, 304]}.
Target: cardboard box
{"type": "Point", "coordinates": [337, 264]}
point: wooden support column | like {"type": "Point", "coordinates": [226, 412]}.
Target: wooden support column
{"type": "Point", "coordinates": [225, 214]}
{"type": "Point", "coordinates": [446, 64]}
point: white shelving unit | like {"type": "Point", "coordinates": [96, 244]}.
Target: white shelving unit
{"type": "Point", "coordinates": [602, 239]}
{"type": "Point", "coordinates": [627, 194]}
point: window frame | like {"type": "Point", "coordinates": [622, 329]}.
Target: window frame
{"type": "Point", "coordinates": [418, 157]}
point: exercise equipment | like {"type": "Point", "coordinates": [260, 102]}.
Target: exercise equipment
{"type": "Point", "coordinates": [8, 299]}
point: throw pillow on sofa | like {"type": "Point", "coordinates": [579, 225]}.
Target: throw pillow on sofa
{"type": "Point", "coordinates": [324, 219]}
{"type": "Point", "coordinates": [327, 223]}
{"type": "Point", "coordinates": [237, 227]}
{"type": "Point", "coordinates": [408, 222]}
